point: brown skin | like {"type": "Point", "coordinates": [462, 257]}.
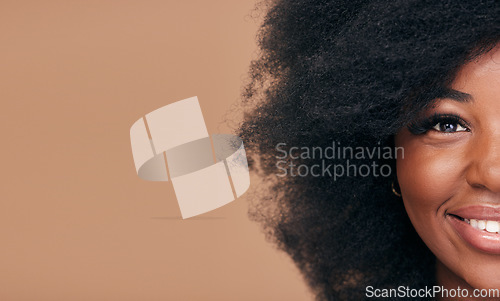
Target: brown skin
{"type": "Point", "coordinates": [442, 171]}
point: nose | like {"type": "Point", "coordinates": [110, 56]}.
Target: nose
{"type": "Point", "coordinates": [484, 170]}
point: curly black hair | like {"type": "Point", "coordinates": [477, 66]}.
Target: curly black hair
{"type": "Point", "coordinates": [353, 72]}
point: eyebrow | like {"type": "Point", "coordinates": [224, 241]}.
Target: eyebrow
{"type": "Point", "coordinates": [457, 95]}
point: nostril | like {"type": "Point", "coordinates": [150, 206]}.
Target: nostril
{"type": "Point", "coordinates": [484, 175]}
{"type": "Point", "coordinates": [477, 185]}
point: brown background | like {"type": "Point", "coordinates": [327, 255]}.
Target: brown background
{"type": "Point", "coordinates": [76, 223]}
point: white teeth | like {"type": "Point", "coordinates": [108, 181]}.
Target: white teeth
{"type": "Point", "coordinates": [481, 225]}
{"type": "Point", "coordinates": [492, 226]}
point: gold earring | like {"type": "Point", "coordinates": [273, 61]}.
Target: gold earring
{"type": "Point", "coordinates": [398, 194]}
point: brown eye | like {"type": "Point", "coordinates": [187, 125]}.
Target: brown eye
{"type": "Point", "coordinates": [449, 127]}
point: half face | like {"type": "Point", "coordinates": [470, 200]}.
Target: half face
{"type": "Point", "coordinates": [450, 176]}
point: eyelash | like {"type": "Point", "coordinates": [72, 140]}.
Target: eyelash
{"type": "Point", "coordinates": [424, 125]}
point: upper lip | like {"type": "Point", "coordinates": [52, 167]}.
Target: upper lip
{"type": "Point", "coordinates": [478, 212]}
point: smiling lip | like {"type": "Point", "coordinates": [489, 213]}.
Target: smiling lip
{"type": "Point", "coordinates": [478, 212]}
{"type": "Point", "coordinates": [479, 239]}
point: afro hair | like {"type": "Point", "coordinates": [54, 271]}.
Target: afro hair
{"type": "Point", "coordinates": [351, 73]}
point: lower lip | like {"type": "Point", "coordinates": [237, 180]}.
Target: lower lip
{"type": "Point", "coordinates": [479, 239]}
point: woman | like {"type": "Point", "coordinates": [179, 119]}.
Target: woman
{"type": "Point", "coordinates": [365, 76]}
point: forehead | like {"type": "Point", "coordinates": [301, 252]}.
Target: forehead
{"type": "Point", "coordinates": [481, 76]}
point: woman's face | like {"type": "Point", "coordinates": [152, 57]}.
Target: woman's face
{"type": "Point", "coordinates": [450, 176]}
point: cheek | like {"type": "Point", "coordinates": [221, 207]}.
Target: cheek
{"type": "Point", "coordinates": [428, 177]}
